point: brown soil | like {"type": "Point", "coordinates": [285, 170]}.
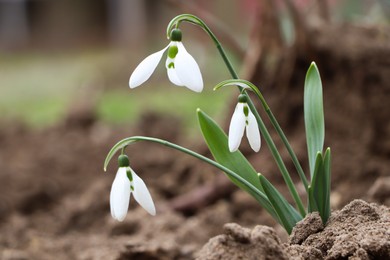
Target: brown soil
{"type": "Point", "coordinates": [54, 198]}
{"type": "Point", "coordinates": [54, 195]}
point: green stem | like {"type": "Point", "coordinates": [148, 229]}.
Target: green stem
{"type": "Point", "coordinates": [195, 20]}
{"type": "Point", "coordinates": [294, 158]}
{"type": "Point", "coordinates": [121, 145]}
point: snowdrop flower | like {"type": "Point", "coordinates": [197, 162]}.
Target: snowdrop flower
{"type": "Point", "coordinates": [126, 183]}
{"type": "Point", "coordinates": [181, 67]}
{"type": "Point", "coordinates": [242, 119]}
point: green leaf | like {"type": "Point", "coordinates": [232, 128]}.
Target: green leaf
{"type": "Point", "coordinates": [319, 197]}
{"type": "Point", "coordinates": [312, 204]}
{"type": "Point", "coordinates": [287, 213]}
{"type": "Point", "coordinates": [314, 115]}
{"type": "Point", "coordinates": [217, 141]}
{"type": "Point", "coordinates": [327, 175]}
{"type": "Point", "coordinates": [313, 189]}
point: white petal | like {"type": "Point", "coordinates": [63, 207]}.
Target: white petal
{"type": "Point", "coordinates": [145, 69]}
{"type": "Point", "coordinates": [237, 127]}
{"type": "Point", "coordinates": [187, 70]}
{"type": "Point", "coordinates": [172, 73]}
{"type": "Point", "coordinates": [120, 195]}
{"type": "Point", "coordinates": [142, 195]}
{"type": "Point", "coordinates": [253, 133]}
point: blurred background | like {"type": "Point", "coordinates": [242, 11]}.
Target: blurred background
{"type": "Point", "coordinates": [53, 51]}
{"type": "Point", "coordinates": [65, 100]}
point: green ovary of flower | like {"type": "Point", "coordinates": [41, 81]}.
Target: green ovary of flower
{"type": "Point", "coordinates": [172, 51]}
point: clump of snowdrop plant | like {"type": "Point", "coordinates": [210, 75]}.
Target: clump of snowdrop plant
{"type": "Point", "coordinates": [182, 70]}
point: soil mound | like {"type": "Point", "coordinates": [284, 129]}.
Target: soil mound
{"type": "Point", "coordinates": [242, 243]}
{"type": "Point", "coordinates": [359, 231]}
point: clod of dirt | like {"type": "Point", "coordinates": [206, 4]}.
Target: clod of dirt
{"type": "Point", "coordinates": [359, 231]}
{"type": "Point", "coordinates": [311, 224]}
{"type": "Point", "coordinates": [298, 252]}
{"type": "Point", "coordinates": [242, 243]}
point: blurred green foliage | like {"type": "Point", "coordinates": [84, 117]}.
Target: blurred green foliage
{"type": "Point", "coordinates": [40, 89]}
{"type": "Point", "coordinates": [36, 88]}
{"type": "Point", "coordinates": [126, 106]}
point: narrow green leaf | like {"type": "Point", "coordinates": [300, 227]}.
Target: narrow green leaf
{"type": "Point", "coordinates": [287, 214]}
{"type": "Point", "coordinates": [314, 114]}
{"type": "Point", "coordinates": [320, 186]}
{"type": "Point", "coordinates": [312, 204]}
{"type": "Point", "coordinates": [316, 181]}
{"type": "Point", "coordinates": [327, 176]}
{"type": "Point", "coordinates": [217, 142]}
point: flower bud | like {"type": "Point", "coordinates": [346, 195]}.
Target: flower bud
{"type": "Point", "coordinates": [242, 98]}
{"type": "Point", "coordinates": [176, 35]}
{"type": "Point", "coordinates": [123, 160]}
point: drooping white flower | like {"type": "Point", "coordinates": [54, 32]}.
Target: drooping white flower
{"type": "Point", "coordinates": [243, 119]}
{"type": "Point", "coordinates": [127, 182]}
{"type": "Point", "coordinates": [182, 68]}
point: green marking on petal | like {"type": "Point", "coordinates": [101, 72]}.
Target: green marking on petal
{"type": "Point", "coordinates": [172, 51]}
{"type": "Point", "coordinates": [132, 187]}
{"type": "Point", "coordinates": [246, 111]}
{"type": "Point", "coordinates": [246, 122]}
{"type": "Point", "coordinates": [171, 65]}
{"type": "Point", "coordinates": [129, 175]}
